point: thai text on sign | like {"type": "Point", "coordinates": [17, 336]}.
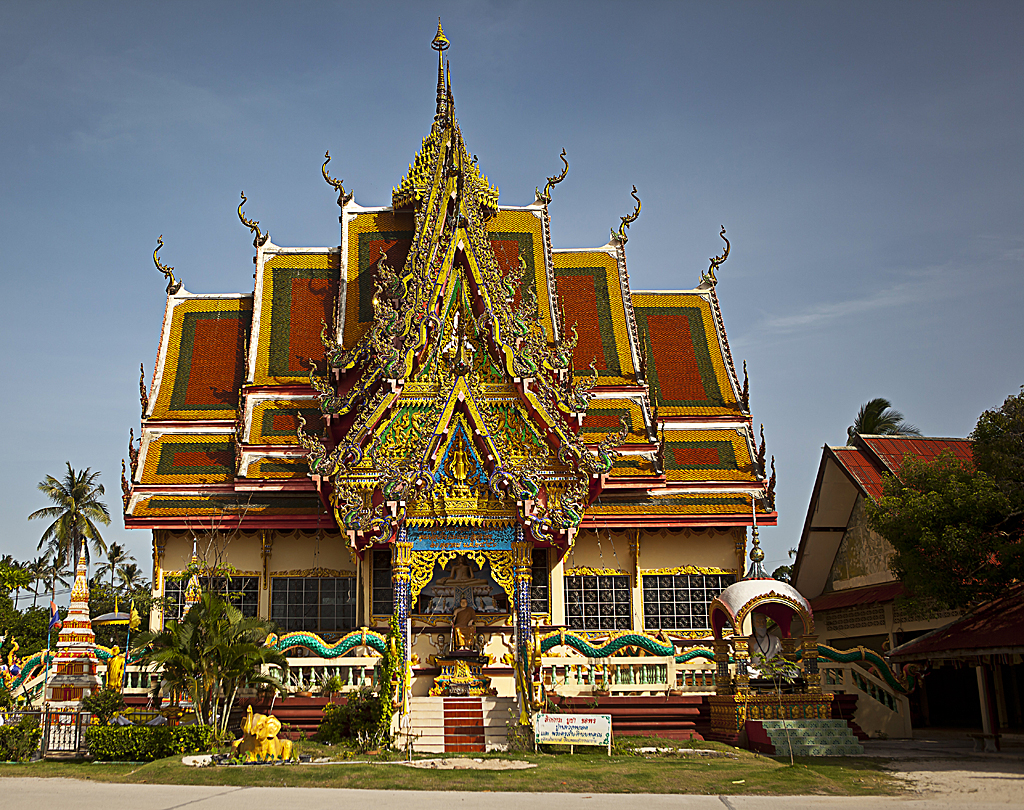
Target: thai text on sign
{"type": "Point", "coordinates": [461, 539]}
{"type": "Point", "coordinates": [574, 729]}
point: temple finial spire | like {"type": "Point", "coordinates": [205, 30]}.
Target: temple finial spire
{"type": "Point", "coordinates": [440, 44]}
{"type": "Point", "coordinates": [756, 569]}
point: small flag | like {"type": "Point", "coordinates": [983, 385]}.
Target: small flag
{"type": "Point", "coordinates": [55, 622]}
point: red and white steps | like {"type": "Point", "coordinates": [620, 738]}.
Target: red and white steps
{"type": "Point", "coordinates": [448, 725]}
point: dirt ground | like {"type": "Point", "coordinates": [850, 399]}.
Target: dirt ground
{"type": "Point", "coordinates": [943, 764]}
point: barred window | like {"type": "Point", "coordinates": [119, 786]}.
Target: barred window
{"type": "Point", "coordinates": [383, 594]}
{"type": "Point", "coordinates": [242, 592]}
{"type": "Point", "coordinates": [597, 602]}
{"type": "Point", "coordinates": [313, 603]}
{"type": "Point", "coordinates": [174, 598]}
{"type": "Point", "coordinates": [539, 588]}
{"type": "Point", "coordinates": [680, 601]}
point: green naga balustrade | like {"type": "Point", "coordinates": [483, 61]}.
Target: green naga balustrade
{"type": "Point", "coordinates": [313, 642]}
{"type": "Point", "coordinates": [901, 680]}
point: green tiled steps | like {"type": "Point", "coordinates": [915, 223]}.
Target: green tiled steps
{"type": "Point", "coordinates": [810, 738]}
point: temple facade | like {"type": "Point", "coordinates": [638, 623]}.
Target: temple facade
{"type": "Point", "coordinates": [447, 418]}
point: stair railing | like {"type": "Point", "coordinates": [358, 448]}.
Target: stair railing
{"type": "Point", "coordinates": [881, 710]}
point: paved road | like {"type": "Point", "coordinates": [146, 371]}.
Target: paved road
{"type": "Point", "coordinates": [24, 793]}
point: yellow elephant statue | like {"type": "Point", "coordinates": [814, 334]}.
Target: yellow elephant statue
{"type": "Point", "coordinates": [259, 742]}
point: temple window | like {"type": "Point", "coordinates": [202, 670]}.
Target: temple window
{"type": "Point", "coordinates": [242, 592]}
{"type": "Point", "coordinates": [539, 588]}
{"type": "Point", "coordinates": [599, 602]}
{"type": "Point", "coordinates": [383, 594]}
{"type": "Point", "coordinates": [319, 604]}
{"type": "Point", "coordinates": [680, 601]}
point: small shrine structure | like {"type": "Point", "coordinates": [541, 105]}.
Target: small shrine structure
{"type": "Point", "coordinates": [761, 623]}
{"type": "Point", "coordinates": [73, 672]}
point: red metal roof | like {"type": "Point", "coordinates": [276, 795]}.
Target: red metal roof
{"type": "Point", "coordinates": [875, 456]}
{"type": "Point", "coordinates": [994, 626]}
{"type": "Point", "coordinates": [857, 596]}
{"type": "Point", "coordinates": [891, 450]}
{"type": "Point", "coordinates": [864, 470]}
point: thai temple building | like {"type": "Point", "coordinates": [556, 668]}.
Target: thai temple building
{"type": "Point", "coordinates": [446, 418]}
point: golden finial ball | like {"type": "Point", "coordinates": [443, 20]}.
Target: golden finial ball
{"type": "Point", "coordinates": [440, 42]}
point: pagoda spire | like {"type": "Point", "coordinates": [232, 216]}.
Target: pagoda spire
{"type": "Point", "coordinates": [440, 44]}
{"type": "Point", "coordinates": [73, 676]}
{"type": "Point", "coordinates": [756, 569]}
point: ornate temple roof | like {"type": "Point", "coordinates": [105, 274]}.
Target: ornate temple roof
{"type": "Point", "coordinates": [446, 327]}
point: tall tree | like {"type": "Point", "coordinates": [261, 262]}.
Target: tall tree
{"type": "Point", "coordinates": [879, 418]}
{"type": "Point", "coordinates": [947, 523]}
{"type": "Point", "coordinates": [117, 555]}
{"type": "Point", "coordinates": [958, 527]}
{"type": "Point", "coordinates": [998, 445]}
{"type": "Point", "coordinates": [38, 568]}
{"type": "Point", "coordinates": [76, 511]}
{"type": "Point", "coordinates": [57, 573]}
{"type": "Point", "coordinates": [131, 576]}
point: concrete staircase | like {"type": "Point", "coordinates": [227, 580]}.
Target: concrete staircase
{"type": "Point", "coordinates": [810, 738]}
{"type": "Point", "coordinates": [457, 724]}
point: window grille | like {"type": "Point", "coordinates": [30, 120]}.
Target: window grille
{"type": "Point", "coordinates": [539, 588]}
{"type": "Point", "coordinates": [321, 604]}
{"type": "Point", "coordinates": [680, 601]}
{"type": "Point", "coordinates": [383, 597]}
{"type": "Point", "coordinates": [242, 592]}
{"type": "Point", "coordinates": [598, 602]}
{"type": "Point", "coordinates": [850, 618]}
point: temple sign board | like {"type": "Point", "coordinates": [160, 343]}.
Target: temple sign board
{"type": "Point", "coordinates": [574, 729]}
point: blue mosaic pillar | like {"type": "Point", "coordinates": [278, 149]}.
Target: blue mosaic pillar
{"type": "Point", "coordinates": [522, 566]}
{"type": "Point", "coordinates": [401, 571]}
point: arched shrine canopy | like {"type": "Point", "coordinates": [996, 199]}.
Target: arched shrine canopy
{"type": "Point", "coordinates": [779, 601]}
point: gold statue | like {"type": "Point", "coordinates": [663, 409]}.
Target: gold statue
{"type": "Point", "coordinates": [462, 574]}
{"type": "Point", "coordinates": [259, 742]}
{"type": "Point", "coordinates": [464, 626]}
{"type": "Point", "coordinates": [115, 669]}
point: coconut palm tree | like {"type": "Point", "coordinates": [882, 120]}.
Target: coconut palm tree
{"type": "Point", "coordinates": [131, 577]}
{"type": "Point", "coordinates": [38, 568]}
{"type": "Point", "coordinates": [76, 511]}
{"type": "Point", "coordinates": [57, 573]}
{"type": "Point", "coordinates": [117, 555]}
{"type": "Point", "coordinates": [879, 418]}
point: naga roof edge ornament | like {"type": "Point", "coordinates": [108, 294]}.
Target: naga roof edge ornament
{"type": "Point", "coordinates": [627, 220]}
{"type": "Point", "coordinates": [253, 225]}
{"type": "Point", "coordinates": [173, 284]}
{"type": "Point", "coordinates": [716, 261]}
{"type": "Point", "coordinates": [545, 197]}
{"type": "Point", "coordinates": [343, 196]}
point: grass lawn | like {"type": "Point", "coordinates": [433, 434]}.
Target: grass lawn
{"type": "Point", "coordinates": [584, 772]}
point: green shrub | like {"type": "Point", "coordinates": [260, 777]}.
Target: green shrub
{"type": "Point", "coordinates": [146, 743]}
{"type": "Point", "coordinates": [357, 717]}
{"type": "Point", "coordinates": [104, 704]}
{"type": "Point", "coordinates": [19, 740]}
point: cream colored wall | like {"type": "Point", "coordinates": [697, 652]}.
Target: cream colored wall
{"type": "Point", "coordinates": [708, 548]}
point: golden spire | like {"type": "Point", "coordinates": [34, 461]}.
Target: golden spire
{"type": "Point", "coordinates": [440, 44]}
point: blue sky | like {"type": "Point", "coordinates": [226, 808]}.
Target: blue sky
{"type": "Point", "coordinates": [866, 159]}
